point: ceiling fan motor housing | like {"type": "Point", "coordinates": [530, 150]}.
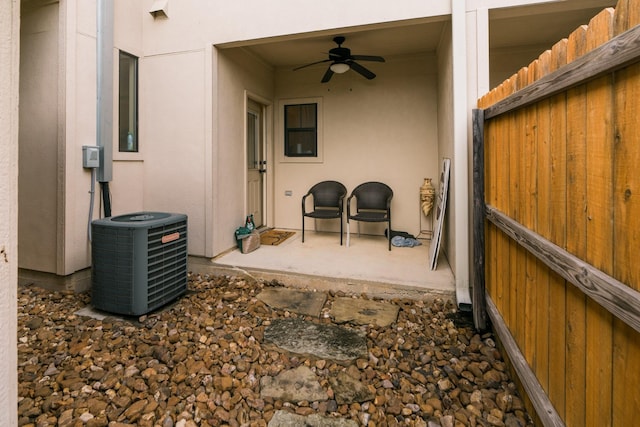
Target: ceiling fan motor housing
{"type": "Point", "coordinates": [342, 55]}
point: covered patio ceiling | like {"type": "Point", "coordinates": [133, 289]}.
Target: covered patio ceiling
{"type": "Point", "coordinates": [539, 26]}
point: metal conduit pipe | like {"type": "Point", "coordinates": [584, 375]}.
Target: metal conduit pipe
{"type": "Point", "coordinates": [104, 119]}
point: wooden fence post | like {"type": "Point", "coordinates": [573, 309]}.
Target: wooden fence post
{"type": "Point", "coordinates": [479, 303]}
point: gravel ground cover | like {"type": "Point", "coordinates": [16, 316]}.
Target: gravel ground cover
{"type": "Point", "coordinates": [199, 362]}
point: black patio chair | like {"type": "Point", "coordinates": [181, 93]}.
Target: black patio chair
{"type": "Point", "coordinates": [328, 203]}
{"type": "Point", "coordinates": [373, 204]}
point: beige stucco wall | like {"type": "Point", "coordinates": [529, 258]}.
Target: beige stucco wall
{"type": "Point", "coordinates": [206, 21]}
{"type": "Point", "coordinates": [57, 119]}
{"type": "Point", "coordinates": [237, 76]}
{"type": "Point", "coordinates": [128, 189]}
{"type": "Point", "coordinates": [9, 90]}
{"type": "Point", "coordinates": [172, 119]}
{"type": "Point", "coordinates": [39, 92]}
{"type": "Point", "coordinates": [381, 130]}
{"type": "Point", "coordinates": [445, 127]}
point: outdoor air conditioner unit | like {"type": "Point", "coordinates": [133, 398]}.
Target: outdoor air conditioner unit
{"type": "Point", "coordinates": [139, 261]}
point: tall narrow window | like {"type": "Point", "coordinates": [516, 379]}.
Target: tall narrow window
{"type": "Point", "coordinates": [301, 130]}
{"type": "Point", "coordinates": [128, 104]}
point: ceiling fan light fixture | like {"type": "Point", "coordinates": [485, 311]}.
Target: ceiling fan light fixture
{"type": "Point", "coordinates": [339, 67]}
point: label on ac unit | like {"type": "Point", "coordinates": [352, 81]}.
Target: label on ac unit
{"type": "Point", "coordinates": [170, 237]}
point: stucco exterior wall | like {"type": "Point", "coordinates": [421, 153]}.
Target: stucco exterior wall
{"type": "Point", "coordinates": [237, 76]}
{"type": "Point", "coordinates": [38, 180]}
{"type": "Point", "coordinates": [172, 106]}
{"type": "Point", "coordinates": [58, 117]}
{"type": "Point", "coordinates": [9, 90]}
{"type": "Point", "coordinates": [445, 126]}
{"type": "Point", "coordinates": [372, 131]}
{"type": "Point", "coordinates": [127, 187]}
{"type": "Point", "coordinates": [80, 129]}
{"type": "Point", "coordinates": [238, 23]}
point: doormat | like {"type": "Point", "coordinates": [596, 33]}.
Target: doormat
{"type": "Point", "coordinates": [275, 237]}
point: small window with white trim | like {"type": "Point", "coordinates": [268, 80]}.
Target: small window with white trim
{"type": "Point", "coordinates": [301, 125]}
{"type": "Point", "coordinates": [301, 130]}
{"type": "Point", "coordinates": [128, 103]}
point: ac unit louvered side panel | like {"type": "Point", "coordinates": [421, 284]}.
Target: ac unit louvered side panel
{"type": "Point", "coordinates": [166, 264]}
{"type": "Point", "coordinates": [113, 268]}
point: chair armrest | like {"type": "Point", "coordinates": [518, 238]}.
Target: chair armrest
{"type": "Point", "coordinates": [349, 205]}
{"type": "Point", "coordinates": [303, 201]}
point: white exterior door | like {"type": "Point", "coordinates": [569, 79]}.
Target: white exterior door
{"type": "Point", "coordinates": [256, 163]}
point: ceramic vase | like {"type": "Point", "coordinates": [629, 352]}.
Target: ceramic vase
{"type": "Point", "coordinates": [427, 195]}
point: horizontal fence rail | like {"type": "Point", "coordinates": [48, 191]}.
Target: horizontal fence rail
{"type": "Point", "coordinates": [622, 301]}
{"type": "Point", "coordinates": [617, 53]}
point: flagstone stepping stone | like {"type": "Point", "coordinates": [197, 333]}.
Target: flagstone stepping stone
{"type": "Point", "coordinates": [298, 301]}
{"type": "Point", "coordinates": [287, 419]}
{"type": "Point", "coordinates": [348, 390]}
{"type": "Point", "coordinates": [363, 312]}
{"type": "Point", "coordinates": [294, 385]}
{"type": "Point", "coordinates": [325, 341]}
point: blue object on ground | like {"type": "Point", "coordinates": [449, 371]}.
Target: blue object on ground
{"type": "Point", "coordinates": [405, 241]}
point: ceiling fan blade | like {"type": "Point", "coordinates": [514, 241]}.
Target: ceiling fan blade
{"type": "Point", "coordinates": [362, 70]}
{"type": "Point", "coordinates": [368, 58]}
{"type": "Point", "coordinates": [327, 76]}
{"type": "Point", "coordinates": [313, 63]}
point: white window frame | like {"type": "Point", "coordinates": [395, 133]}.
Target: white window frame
{"type": "Point", "coordinates": [280, 131]}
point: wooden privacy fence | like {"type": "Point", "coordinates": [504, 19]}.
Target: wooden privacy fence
{"type": "Point", "coordinates": [557, 223]}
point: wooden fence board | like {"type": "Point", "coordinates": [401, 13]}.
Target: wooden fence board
{"type": "Point", "coordinates": [543, 222]}
{"type": "Point", "coordinates": [501, 162]}
{"type": "Point", "coordinates": [633, 13]}
{"type": "Point", "coordinates": [529, 219]}
{"type": "Point", "coordinates": [626, 182]}
{"type": "Point", "coordinates": [518, 189]}
{"type": "Point", "coordinates": [621, 18]}
{"type": "Point", "coordinates": [557, 230]}
{"type": "Point", "coordinates": [626, 380]}
{"type": "Point", "coordinates": [514, 154]}
{"type": "Point", "coordinates": [576, 240]}
{"type": "Point", "coordinates": [626, 177]}
{"type": "Point", "coordinates": [599, 250]}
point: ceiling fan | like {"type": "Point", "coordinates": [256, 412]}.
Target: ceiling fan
{"type": "Point", "coordinates": [342, 61]}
